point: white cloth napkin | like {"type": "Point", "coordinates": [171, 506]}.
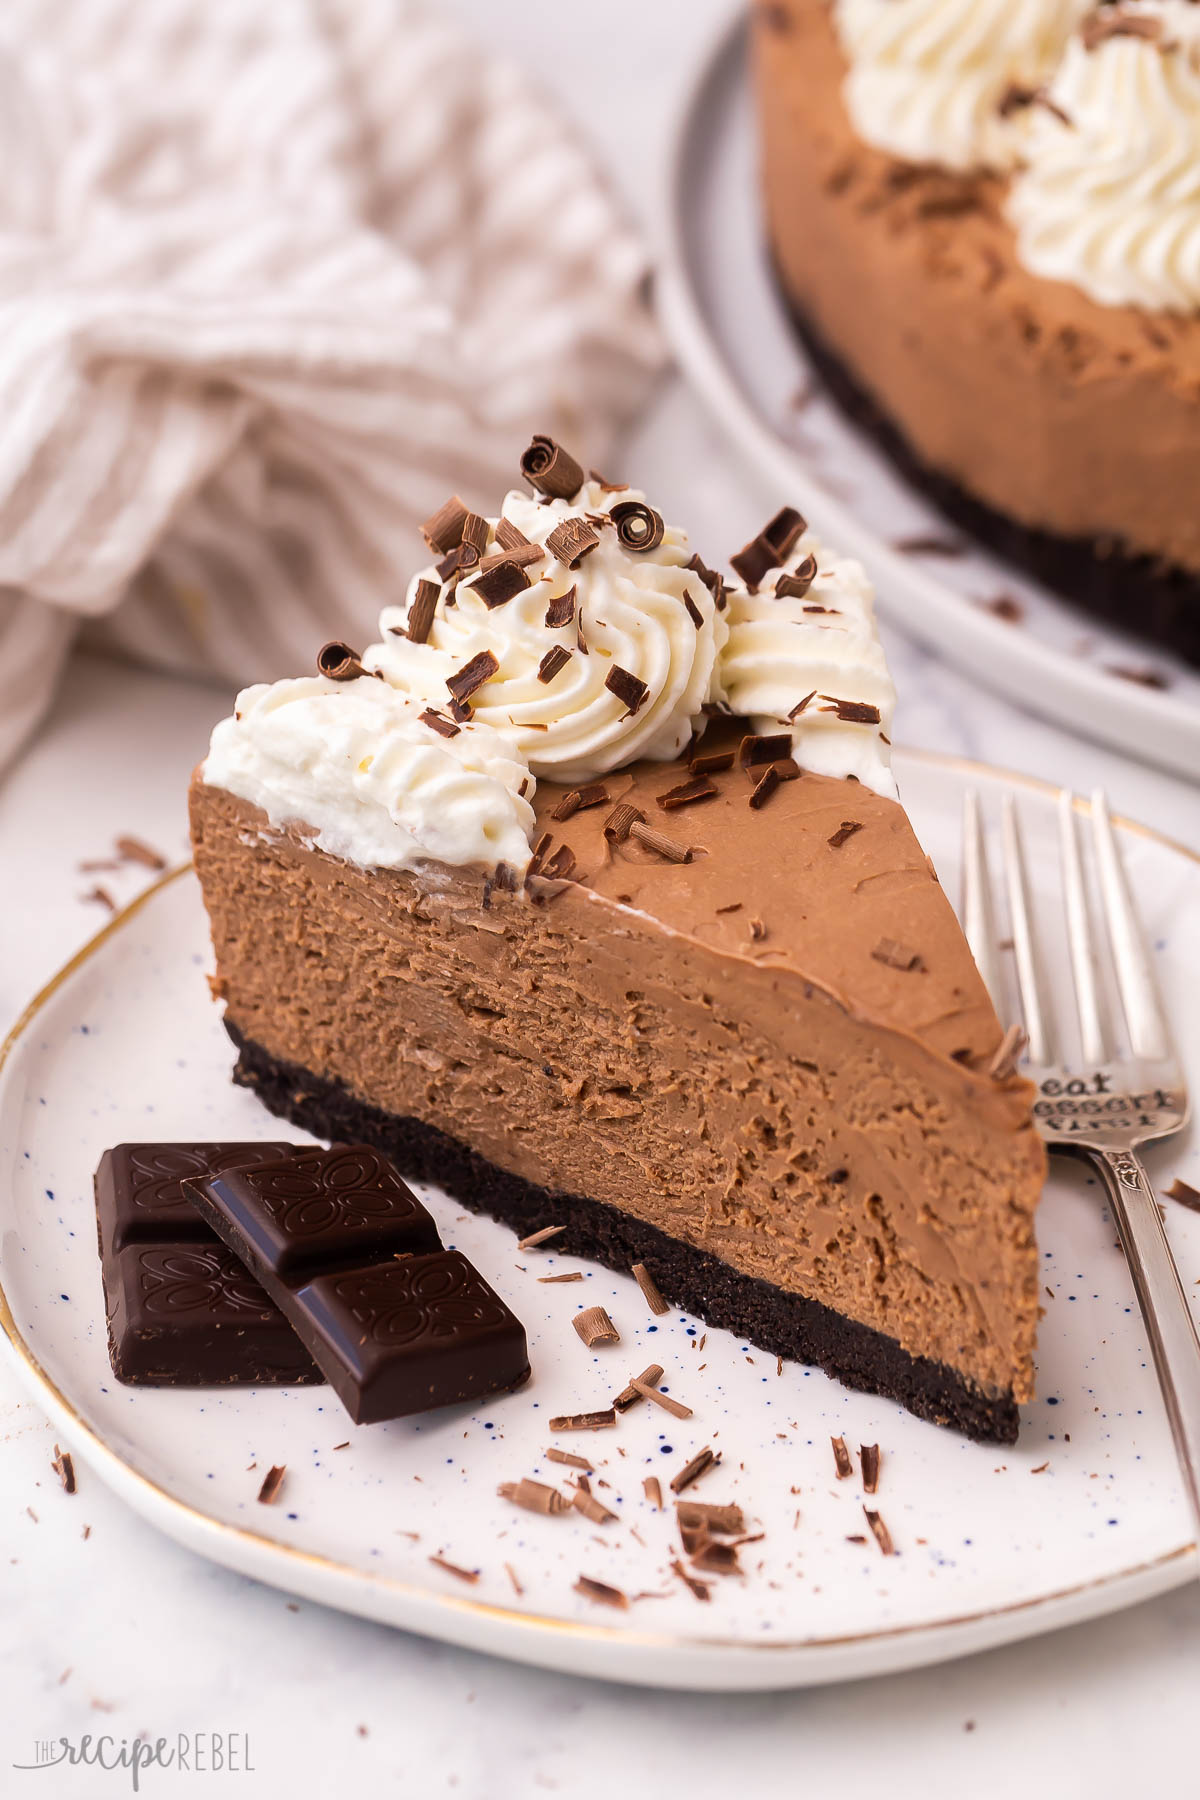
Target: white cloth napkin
{"type": "Point", "coordinates": [274, 281]}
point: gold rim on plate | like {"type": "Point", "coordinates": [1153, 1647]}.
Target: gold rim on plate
{"type": "Point", "coordinates": [98, 1452]}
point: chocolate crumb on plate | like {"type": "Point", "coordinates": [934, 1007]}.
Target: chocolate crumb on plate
{"type": "Point", "coordinates": [585, 1421]}
{"type": "Point", "coordinates": [539, 1237]}
{"type": "Point", "coordinates": [512, 1576]}
{"type": "Point", "coordinates": [652, 1488]}
{"type": "Point", "coordinates": [131, 849]}
{"type": "Point", "coordinates": [586, 1503]}
{"type": "Point", "coordinates": [880, 1532]}
{"type": "Point", "coordinates": [718, 1521]}
{"type": "Point", "coordinates": [601, 1592]}
{"type": "Point", "coordinates": [717, 1557]}
{"type": "Point", "coordinates": [702, 1461]}
{"type": "Point", "coordinates": [554, 1454]}
{"type": "Point", "coordinates": [629, 1396]}
{"type": "Point", "coordinates": [533, 1496]}
{"type": "Point", "coordinates": [64, 1467]}
{"type": "Point", "coordinates": [1183, 1192]}
{"type": "Point", "coordinates": [268, 1493]}
{"type": "Point", "coordinates": [102, 897]}
{"type": "Point", "coordinates": [841, 1458]}
{"type": "Point", "coordinates": [439, 1562]}
{"type": "Point", "coordinates": [700, 1589]}
{"type": "Point", "coordinates": [676, 1408]}
{"type": "Point", "coordinates": [868, 1455]}
{"type": "Point", "coordinates": [646, 1282]}
{"type": "Point", "coordinates": [571, 1275]}
{"type": "Point", "coordinates": [594, 1326]}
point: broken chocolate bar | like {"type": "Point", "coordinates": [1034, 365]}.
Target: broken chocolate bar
{"type": "Point", "coordinates": [352, 1259]}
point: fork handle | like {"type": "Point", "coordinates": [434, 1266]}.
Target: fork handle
{"type": "Point", "coordinates": [1165, 1308]}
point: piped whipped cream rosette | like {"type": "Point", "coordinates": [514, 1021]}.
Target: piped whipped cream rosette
{"type": "Point", "coordinates": [600, 652]}
{"type": "Point", "coordinates": [803, 652]}
{"type": "Point", "coordinates": [569, 637]}
{"type": "Point", "coordinates": [1109, 197]}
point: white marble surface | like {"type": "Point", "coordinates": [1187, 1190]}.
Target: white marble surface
{"type": "Point", "coordinates": [123, 1632]}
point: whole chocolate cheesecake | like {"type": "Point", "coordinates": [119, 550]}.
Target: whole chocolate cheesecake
{"type": "Point", "coordinates": [586, 894]}
{"type": "Point", "coordinates": [985, 219]}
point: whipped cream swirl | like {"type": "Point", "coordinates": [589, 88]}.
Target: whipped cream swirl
{"type": "Point", "coordinates": [928, 78]}
{"type": "Point", "coordinates": [823, 645]}
{"type": "Point", "coordinates": [353, 761]}
{"type": "Point", "coordinates": [631, 611]}
{"type": "Point", "coordinates": [1110, 195]}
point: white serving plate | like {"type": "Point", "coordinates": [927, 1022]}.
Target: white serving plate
{"type": "Point", "coordinates": [1086, 1515]}
{"type": "Point", "coordinates": [728, 326]}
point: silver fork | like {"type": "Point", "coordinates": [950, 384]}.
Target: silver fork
{"type": "Point", "coordinates": [1126, 1089]}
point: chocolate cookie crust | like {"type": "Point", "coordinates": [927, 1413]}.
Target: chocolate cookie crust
{"type": "Point", "coordinates": [781, 1323]}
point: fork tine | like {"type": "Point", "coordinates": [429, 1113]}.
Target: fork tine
{"type": "Point", "coordinates": [1147, 1027]}
{"type": "Point", "coordinates": [1079, 936]}
{"type": "Point", "coordinates": [979, 923]}
{"type": "Point", "coordinates": [1029, 976]}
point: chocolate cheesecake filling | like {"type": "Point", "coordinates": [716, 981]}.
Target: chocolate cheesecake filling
{"type": "Point", "coordinates": [762, 1071]}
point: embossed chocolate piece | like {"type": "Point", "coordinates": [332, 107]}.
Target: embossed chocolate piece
{"type": "Point", "coordinates": [353, 1261]}
{"type": "Point", "coordinates": [183, 1312]}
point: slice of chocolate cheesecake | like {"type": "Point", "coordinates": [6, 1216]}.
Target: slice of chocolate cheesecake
{"type": "Point", "coordinates": [699, 1000]}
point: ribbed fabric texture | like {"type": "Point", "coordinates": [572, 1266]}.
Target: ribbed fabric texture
{"type": "Point", "coordinates": [274, 281]}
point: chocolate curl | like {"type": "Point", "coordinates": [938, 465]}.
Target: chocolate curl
{"type": "Point", "coordinates": [550, 469]}
{"type": "Point", "coordinates": [797, 584]}
{"type": "Point", "coordinates": [444, 530]}
{"type": "Point", "coordinates": [639, 527]}
{"type": "Point", "coordinates": [338, 661]}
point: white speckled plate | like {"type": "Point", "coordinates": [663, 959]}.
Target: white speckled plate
{"type": "Point", "coordinates": [1085, 1516]}
{"type": "Point", "coordinates": [732, 336]}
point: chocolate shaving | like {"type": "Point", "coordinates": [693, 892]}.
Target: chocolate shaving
{"type": "Point", "coordinates": [512, 1576]}
{"type": "Point", "coordinates": [539, 1237]}
{"type": "Point", "coordinates": [801, 705]}
{"type": "Point", "coordinates": [102, 897]}
{"type": "Point", "coordinates": [758, 930]}
{"type": "Point", "coordinates": [716, 1558]}
{"type": "Point", "coordinates": [853, 712]}
{"type": "Point", "coordinates": [471, 677]}
{"type": "Point", "coordinates": [754, 749]}
{"type": "Point", "coordinates": [765, 787]}
{"type": "Point", "coordinates": [646, 1282]}
{"type": "Point", "coordinates": [845, 830]}
{"type": "Point", "coordinates": [533, 1496]}
{"type": "Point", "coordinates": [421, 612]}
{"type": "Point", "coordinates": [700, 1589]}
{"type": "Point", "coordinates": [550, 469]}
{"type": "Point", "coordinates": [676, 1408]}
{"type": "Point", "coordinates": [753, 561]}
{"type": "Point", "coordinates": [1149, 678]}
{"type": "Point", "coordinates": [1006, 607]}
{"type": "Point", "coordinates": [511, 537]}
{"type": "Point", "coordinates": [338, 662]}
{"type": "Point", "coordinates": [585, 1502]}
{"type": "Point", "coordinates": [500, 583]}
{"type": "Point", "coordinates": [554, 1454]}
{"type": "Point", "coordinates": [561, 609]}
{"type": "Point", "coordinates": [628, 688]}
{"type": "Point", "coordinates": [571, 541]}
{"type": "Point", "coordinates": [570, 1275]}
{"type": "Point", "coordinates": [699, 1465]}
{"type": "Point", "coordinates": [841, 1458]}
{"type": "Point", "coordinates": [457, 561]}
{"type": "Point", "coordinates": [579, 799]}
{"type": "Point", "coordinates": [661, 845]}
{"type": "Point", "coordinates": [595, 1327]}
{"type": "Point", "coordinates": [796, 582]}
{"type": "Point", "coordinates": [1105, 23]}
{"type": "Point", "coordinates": [895, 955]}
{"type": "Point", "coordinates": [131, 849]}
{"type": "Point", "coordinates": [444, 529]}
{"type": "Point", "coordinates": [64, 1467]}
{"type": "Point", "coordinates": [783, 531]}
{"type": "Point", "coordinates": [719, 1521]}
{"type": "Point", "coordinates": [601, 1592]}
{"type": "Point", "coordinates": [711, 763]}
{"type": "Point", "coordinates": [686, 794]}
{"type": "Point", "coordinates": [538, 854]}
{"type": "Point", "coordinates": [585, 1421]}
{"type": "Point", "coordinates": [1008, 1054]}
{"type": "Point", "coordinates": [630, 1395]}
{"type": "Point", "coordinates": [1184, 1193]}
{"type": "Point", "coordinates": [621, 821]}
{"type": "Point", "coordinates": [268, 1493]}
{"type": "Point", "coordinates": [929, 546]}
{"type": "Point", "coordinates": [868, 1455]}
{"type": "Point", "coordinates": [880, 1532]}
{"type": "Point", "coordinates": [553, 663]}
{"type": "Point", "coordinates": [652, 1488]}
{"type": "Point", "coordinates": [475, 532]}
{"type": "Point", "coordinates": [560, 866]}
{"type": "Point", "coordinates": [453, 1569]}
{"type": "Point", "coordinates": [639, 527]}
{"type": "Point", "coordinates": [693, 612]}
{"type": "Point", "coordinates": [522, 556]}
